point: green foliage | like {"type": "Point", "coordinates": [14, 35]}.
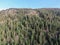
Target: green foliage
{"type": "Point", "coordinates": [30, 30]}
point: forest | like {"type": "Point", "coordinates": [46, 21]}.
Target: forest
{"type": "Point", "coordinates": [30, 26]}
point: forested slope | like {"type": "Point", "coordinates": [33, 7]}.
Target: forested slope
{"type": "Point", "coordinates": [30, 26]}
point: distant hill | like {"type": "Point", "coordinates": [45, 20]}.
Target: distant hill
{"type": "Point", "coordinates": [24, 11]}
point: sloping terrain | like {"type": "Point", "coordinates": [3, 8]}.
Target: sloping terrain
{"type": "Point", "coordinates": [30, 26]}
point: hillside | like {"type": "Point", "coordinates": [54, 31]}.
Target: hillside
{"type": "Point", "coordinates": [22, 26]}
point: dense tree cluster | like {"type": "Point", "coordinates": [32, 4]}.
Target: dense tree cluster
{"type": "Point", "coordinates": [40, 29]}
